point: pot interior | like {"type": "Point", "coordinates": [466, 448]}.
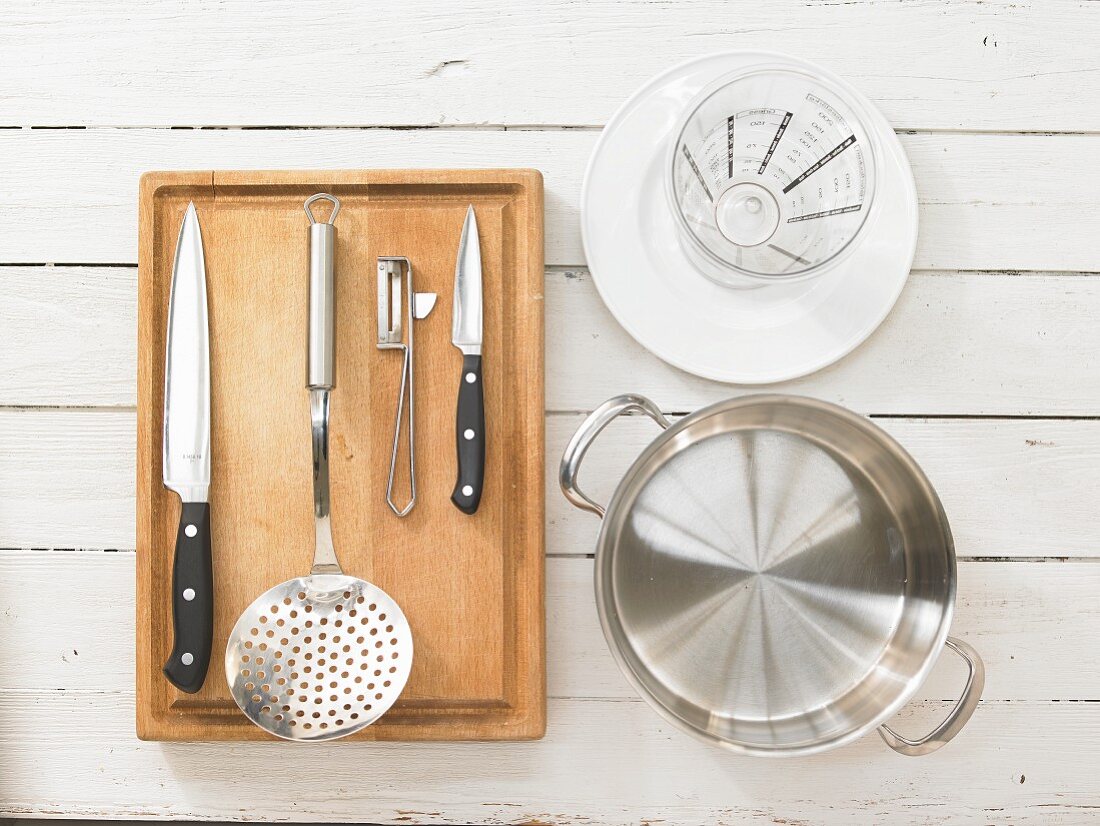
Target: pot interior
{"type": "Point", "coordinates": [776, 574]}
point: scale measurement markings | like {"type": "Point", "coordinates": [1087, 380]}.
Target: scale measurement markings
{"type": "Point", "coordinates": [840, 148]}
{"type": "Point", "coordinates": [698, 174]}
{"type": "Point", "coordinates": [775, 142]}
{"type": "Point", "coordinates": [729, 143]}
{"type": "Point", "coordinates": [825, 213]}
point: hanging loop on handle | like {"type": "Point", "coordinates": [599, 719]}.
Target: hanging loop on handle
{"type": "Point", "coordinates": [322, 196]}
{"type": "Point", "coordinates": [590, 428]}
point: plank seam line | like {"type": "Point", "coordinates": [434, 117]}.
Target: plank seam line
{"type": "Point", "coordinates": [115, 692]}
{"type": "Point", "coordinates": [946, 417]}
{"type": "Point", "coordinates": [1011, 417]}
{"type": "Point", "coordinates": [483, 127]}
{"type": "Point", "coordinates": [106, 408]}
{"type": "Point", "coordinates": [1037, 418]}
{"type": "Point", "coordinates": [582, 271]}
{"type": "Point", "coordinates": [556, 413]}
{"type": "Point", "coordinates": [59, 264]}
{"type": "Point", "coordinates": [575, 271]}
{"type": "Point", "coordinates": [1033, 560]}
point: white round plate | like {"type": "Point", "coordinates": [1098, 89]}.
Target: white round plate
{"type": "Point", "coordinates": [744, 336]}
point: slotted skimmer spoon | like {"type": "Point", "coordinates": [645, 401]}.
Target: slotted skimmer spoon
{"type": "Point", "coordinates": [320, 656]}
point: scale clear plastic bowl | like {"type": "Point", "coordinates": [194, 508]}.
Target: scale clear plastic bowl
{"type": "Point", "coordinates": [771, 176]}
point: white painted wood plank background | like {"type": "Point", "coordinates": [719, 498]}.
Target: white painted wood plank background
{"type": "Point", "coordinates": [942, 64]}
{"type": "Point", "coordinates": [1048, 659]}
{"type": "Point", "coordinates": [1020, 344]}
{"type": "Point", "coordinates": [988, 201]}
{"type": "Point", "coordinates": [67, 480]}
{"type": "Point", "coordinates": [986, 371]}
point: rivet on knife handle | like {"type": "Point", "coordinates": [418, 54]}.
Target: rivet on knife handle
{"type": "Point", "coordinates": [470, 437]}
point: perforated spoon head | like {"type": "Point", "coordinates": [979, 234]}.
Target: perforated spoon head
{"type": "Point", "coordinates": [319, 657]}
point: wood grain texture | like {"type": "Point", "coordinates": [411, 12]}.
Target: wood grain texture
{"type": "Point", "coordinates": [470, 586]}
{"type": "Point", "coordinates": [70, 328]}
{"type": "Point", "coordinates": [67, 480]}
{"type": "Point", "coordinates": [1017, 202]}
{"type": "Point", "coordinates": [936, 64]}
{"type": "Point", "coordinates": [956, 344]}
{"type": "Point", "coordinates": [1047, 470]}
{"type": "Point", "coordinates": [602, 761]}
{"type": "Point", "coordinates": [1048, 657]}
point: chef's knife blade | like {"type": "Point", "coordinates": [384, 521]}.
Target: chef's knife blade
{"type": "Point", "coordinates": [186, 459]}
{"type": "Point", "coordinates": [466, 336]}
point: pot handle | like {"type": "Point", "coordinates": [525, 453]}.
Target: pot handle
{"type": "Point", "coordinates": [597, 420]}
{"type": "Point", "coordinates": [959, 716]}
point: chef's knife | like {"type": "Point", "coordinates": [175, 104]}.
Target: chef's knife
{"type": "Point", "coordinates": [466, 336]}
{"type": "Point", "coordinates": [187, 458]}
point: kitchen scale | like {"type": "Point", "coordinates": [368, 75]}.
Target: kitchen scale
{"type": "Point", "coordinates": [749, 217]}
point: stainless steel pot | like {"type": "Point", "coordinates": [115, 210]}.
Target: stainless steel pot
{"type": "Point", "coordinates": [775, 574]}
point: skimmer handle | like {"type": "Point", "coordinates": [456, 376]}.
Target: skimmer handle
{"type": "Point", "coordinates": [590, 428]}
{"type": "Point", "coordinates": [322, 332]}
{"type": "Point", "coordinates": [320, 372]}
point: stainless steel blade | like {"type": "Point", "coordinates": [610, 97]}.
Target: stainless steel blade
{"type": "Point", "coordinates": [466, 318]}
{"type": "Point", "coordinates": [187, 370]}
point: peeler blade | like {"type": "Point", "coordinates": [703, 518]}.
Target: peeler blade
{"type": "Point", "coordinates": [423, 304]}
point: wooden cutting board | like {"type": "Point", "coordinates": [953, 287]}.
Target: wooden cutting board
{"type": "Point", "coordinates": [471, 586]}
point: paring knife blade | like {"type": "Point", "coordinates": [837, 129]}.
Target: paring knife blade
{"type": "Point", "coordinates": [186, 459]}
{"type": "Point", "coordinates": [466, 336]}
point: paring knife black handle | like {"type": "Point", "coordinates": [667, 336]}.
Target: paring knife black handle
{"type": "Point", "coordinates": [470, 437]}
{"type": "Point", "coordinates": [193, 618]}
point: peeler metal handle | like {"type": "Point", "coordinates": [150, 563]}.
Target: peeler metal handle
{"type": "Point", "coordinates": [392, 336]}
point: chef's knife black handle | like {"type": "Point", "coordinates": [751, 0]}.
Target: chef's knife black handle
{"type": "Point", "coordinates": [470, 437]}
{"type": "Point", "coordinates": [192, 600]}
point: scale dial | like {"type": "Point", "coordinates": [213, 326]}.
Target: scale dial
{"type": "Point", "coordinates": [772, 174]}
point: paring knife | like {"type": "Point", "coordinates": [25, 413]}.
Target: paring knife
{"type": "Point", "coordinates": [466, 336]}
{"type": "Point", "coordinates": [187, 458]}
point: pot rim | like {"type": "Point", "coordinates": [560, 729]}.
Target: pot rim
{"type": "Point", "coordinates": [612, 521]}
